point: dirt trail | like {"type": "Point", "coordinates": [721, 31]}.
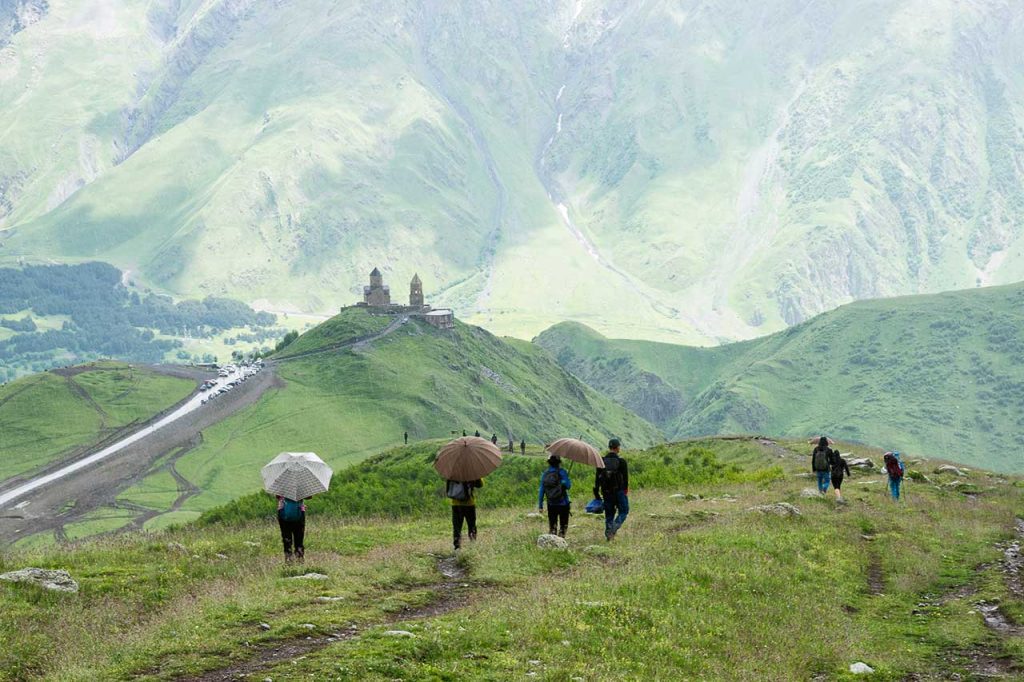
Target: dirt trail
{"type": "Point", "coordinates": [449, 596]}
{"type": "Point", "coordinates": [360, 342]}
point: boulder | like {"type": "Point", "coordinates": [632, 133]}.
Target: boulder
{"type": "Point", "coordinates": [309, 576]}
{"type": "Point", "coordinates": [398, 633]}
{"type": "Point", "coordinates": [810, 492]}
{"type": "Point", "coordinates": [859, 668]}
{"type": "Point", "coordinates": [950, 469]}
{"type": "Point", "coordinates": [328, 600]}
{"type": "Point", "coordinates": [264, 626]}
{"type": "Point", "coordinates": [177, 547]}
{"type": "Point", "coordinates": [534, 515]}
{"type": "Point", "coordinates": [685, 496]}
{"type": "Point", "coordinates": [862, 463]}
{"type": "Point", "coordinates": [49, 579]}
{"type": "Point", "coordinates": [778, 509]}
{"type": "Point", "coordinates": [552, 542]}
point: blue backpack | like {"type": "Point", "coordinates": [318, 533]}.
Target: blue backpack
{"type": "Point", "coordinates": [595, 507]}
{"type": "Point", "coordinates": [291, 511]}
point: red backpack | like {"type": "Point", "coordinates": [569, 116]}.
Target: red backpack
{"type": "Point", "coordinates": [892, 466]}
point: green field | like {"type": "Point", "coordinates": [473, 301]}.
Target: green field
{"type": "Point", "coordinates": [47, 416]}
{"type": "Point", "coordinates": [935, 375]}
{"type": "Point", "coordinates": [695, 586]}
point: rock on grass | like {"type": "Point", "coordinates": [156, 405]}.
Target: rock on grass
{"type": "Point", "coordinates": [778, 509]}
{"type": "Point", "coordinates": [552, 542]}
{"type": "Point", "coordinates": [48, 579]}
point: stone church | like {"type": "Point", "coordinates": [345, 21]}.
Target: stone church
{"type": "Point", "coordinates": [377, 296]}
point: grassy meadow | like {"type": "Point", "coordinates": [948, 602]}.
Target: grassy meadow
{"type": "Point", "coordinates": [46, 416]}
{"type": "Point", "coordinates": [695, 586]}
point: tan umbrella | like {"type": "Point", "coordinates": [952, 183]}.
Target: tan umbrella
{"type": "Point", "coordinates": [814, 441]}
{"type": "Point", "coordinates": [296, 475]}
{"type": "Point", "coordinates": [467, 459]}
{"type": "Point", "coordinates": [577, 451]}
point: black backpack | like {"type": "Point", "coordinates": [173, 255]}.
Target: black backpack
{"type": "Point", "coordinates": [610, 478]}
{"type": "Point", "coordinates": [820, 459]}
{"type": "Point", "coordinates": [459, 491]}
{"type": "Point", "coordinates": [554, 491]}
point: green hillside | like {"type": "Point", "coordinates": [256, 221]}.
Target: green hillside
{"type": "Point", "coordinates": [694, 583]}
{"type": "Point", "coordinates": [48, 416]}
{"type": "Point", "coordinates": [673, 170]}
{"type": "Point", "coordinates": [936, 375]}
{"type": "Point", "coordinates": [347, 403]}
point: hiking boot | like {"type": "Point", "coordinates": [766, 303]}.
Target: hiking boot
{"type": "Point", "coordinates": [472, 536]}
{"type": "Point", "coordinates": [300, 555]}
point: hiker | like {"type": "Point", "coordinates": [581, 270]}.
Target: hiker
{"type": "Point", "coordinates": [894, 467]}
{"type": "Point", "coordinates": [522, 446]}
{"type": "Point", "coordinates": [463, 433]}
{"type": "Point", "coordinates": [463, 499]}
{"type": "Point", "coordinates": [494, 439]}
{"type": "Point", "coordinates": [611, 484]}
{"type": "Point", "coordinates": [554, 487]}
{"type": "Point", "coordinates": [291, 516]}
{"type": "Point", "coordinates": [511, 446]}
{"type": "Point", "coordinates": [406, 437]}
{"type": "Point", "coordinates": [820, 464]}
{"type": "Point", "coordinates": [838, 469]}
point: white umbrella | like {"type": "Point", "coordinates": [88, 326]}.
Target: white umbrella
{"type": "Point", "coordinates": [296, 475]}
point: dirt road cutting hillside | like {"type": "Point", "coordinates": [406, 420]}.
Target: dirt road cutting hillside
{"type": "Point", "coordinates": [69, 489]}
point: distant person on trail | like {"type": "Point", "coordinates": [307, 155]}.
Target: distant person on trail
{"type": "Point", "coordinates": [838, 469]}
{"type": "Point", "coordinates": [554, 487]}
{"type": "Point", "coordinates": [477, 434]}
{"type": "Point", "coordinates": [463, 433]}
{"type": "Point", "coordinates": [820, 464]}
{"type": "Point", "coordinates": [895, 469]}
{"type": "Point", "coordinates": [611, 484]}
{"type": "Point", "coordinates": [511, 445]}
{"type": "Point", "coordinates": [494, 438]}
{"type": "Point", "coordinates": [406, 437]}
{"type": "Point", "coordinates": [522, 446]}
{"type": "Point", "coordinates": [463, 499]}
{"type": "Point", "coordinates": [291, 517]}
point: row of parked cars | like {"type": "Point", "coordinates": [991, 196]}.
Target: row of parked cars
{"type": "Point", "coordinates": [237, 373]}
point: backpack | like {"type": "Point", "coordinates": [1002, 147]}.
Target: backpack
{"type": "Point", "coordinates": [459, 491]}
{"type": "Point", "coordinates": [291, 511]}
{"type": "Point", "coordinates": [610, 478]}
{"type": "Point", "coordinates": [892, 466]}
{"type": "Point", "coordinates": [554, 492]}
{"type": "Point", "coordinates": [819, 459]}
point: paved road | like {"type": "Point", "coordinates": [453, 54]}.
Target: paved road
{"type": "Point", "coordinates": [71, 489]}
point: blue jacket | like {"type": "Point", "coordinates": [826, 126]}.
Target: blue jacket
{"type": "Point", "coordinates": [566, 483]}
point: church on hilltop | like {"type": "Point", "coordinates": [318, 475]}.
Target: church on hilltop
{"type": "Point", "coordinates": [377, 299]}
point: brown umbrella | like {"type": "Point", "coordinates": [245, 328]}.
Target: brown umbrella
{"type": "Point", "coordinates": [577, 451]}
{"type": "Point", "coordinates": [467, 459]}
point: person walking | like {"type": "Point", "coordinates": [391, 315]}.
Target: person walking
{"type": "Point", "coordinates": [820, 464]}
{"type": "Point", "coordinates": [511, 445]}
{"type": "Point", "coordinates": [522, 446]}
{"type": "Point", "coordinates": [462, 495]}
{"type": "Point", "coordinates": [291, 517]}
{"type": "Point", "coordinates": [895, 469]}
{"type": "Point", "coordinates": [611, 485]}
{"type": "Point", "coordinates": [554, 487]}
{"type": "Point", "coordinates": [838, 468]}
{"type": "Point", "coordinates": [406, 437]}
{"type": "Point", "coordinates": [494, 439]}
{"type": "Point", "coordinates": [477, 434]}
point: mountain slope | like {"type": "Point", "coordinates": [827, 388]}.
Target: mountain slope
{"type": "Point", "coordinates": [351, 401]}
{"type": "Point", "coordinates": [934, 375]}
{"type": "Point", "coordinates": [687, 171]}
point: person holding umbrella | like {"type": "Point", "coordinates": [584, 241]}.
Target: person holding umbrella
{"type": "Point", "coordinates": [554, 487]}
{"type": "Point", "coordinates": [294, 477]}
{"type": "Point", "coordinates": [463, 463]}
{"type": "Point", "coordinates": [555, 482]}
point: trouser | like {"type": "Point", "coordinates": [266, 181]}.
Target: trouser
{"type": "Point", "coordinates": [460, 513]}
{"type": "Point", "coordinates": [824, 478]}
{"type": "Point", "coordinates": [292, 534]}
{"type": "Point", "coordinates": [837, 481]}
{"type": "Point", "coordinates": [558, 518]}
{"type": "Point", "coordinates": [616, 508]}
{"type": "Point", "coordinates": [894, 487]}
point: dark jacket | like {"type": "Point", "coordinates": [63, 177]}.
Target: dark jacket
{"type": "Point", "coordinates": [623, 475]}
{"type": "Point", "coordinates": [838, 465]}
{"type": "Point", "coordinates": [566, 483]}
